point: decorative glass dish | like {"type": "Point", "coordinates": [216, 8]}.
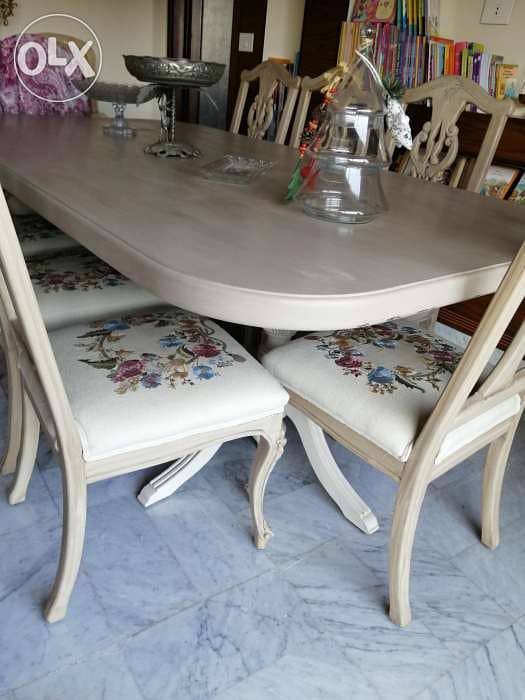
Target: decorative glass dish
{"type": "Point", "coordinates": [236, 170]}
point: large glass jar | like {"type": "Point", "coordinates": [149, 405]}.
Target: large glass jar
{"type": "Point", "coordinates": [343, 181]}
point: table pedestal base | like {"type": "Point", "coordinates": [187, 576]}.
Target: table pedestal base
{"type": "Point", "coordinates": [166, 483]}
{"type": "Point", "coordinates": [314, 441]}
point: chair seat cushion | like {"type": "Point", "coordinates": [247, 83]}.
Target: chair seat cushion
{"type": "Point", "coordinates": [38, 236]}
{"type": "Point", "coordinates": [381, 381]}
{"type": "Point", "coordinates": [141, 380]}
{"type": "Point", "coordinates": [76, 287]}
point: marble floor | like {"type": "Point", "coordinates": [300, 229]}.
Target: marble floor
{"type": "Point", "coordinates": [176, 603]}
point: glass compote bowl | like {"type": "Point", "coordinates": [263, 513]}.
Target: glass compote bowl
{"type": "Point", "coordinates": [119, 95]}
{"type": "Point", "coordinates": [169, 74]}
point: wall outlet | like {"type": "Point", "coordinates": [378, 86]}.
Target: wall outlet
{"type": "Point", "coordinates": [246, 40]}
{"type": "Point", "coordinates": [497, 11]}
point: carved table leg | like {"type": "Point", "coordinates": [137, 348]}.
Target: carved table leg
{"type": "Point", "coordinates": [172, 478]}
{"type": "Point", "coordinates": [329, 473]}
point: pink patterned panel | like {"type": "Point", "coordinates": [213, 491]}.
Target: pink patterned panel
{"type": "Point", "coordinates": [51, 83]}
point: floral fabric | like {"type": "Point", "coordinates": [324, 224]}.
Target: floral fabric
{"type": "Point", "coordinates": [187, 352]}
{"type": "Point", "coordinates": [72, 271]}
{"type": "Point", "coordinates": [349, 350]}
{"type": "Point", "coordinates": [33, 228]}
{"type": "Point", "coordinates": [51, 83]}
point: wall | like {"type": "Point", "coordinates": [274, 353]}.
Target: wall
{"type": "Point", "coordinates": [284, 25]}
{"type": "Point", "coordinates": [130, 26]}
{"type": "Point", "coordinates": [459, 20]}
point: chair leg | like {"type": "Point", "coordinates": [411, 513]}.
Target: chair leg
{"type": "Point", "coordinates": [329, 474]}
{"type": "Point", "coordinates": [495, 466]}
{"type": "Point", "coordinates": [14, 404]}
{"type": "Point", "coordinates": [269, 450]}
{"type": "Point", "coordinates": [74, 489]}
{"type": "Point", "coordinates": [28, 450]}
{"type": "Point", "coordinates": [406, 515]}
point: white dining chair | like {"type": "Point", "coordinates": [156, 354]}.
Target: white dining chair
{"type": "Point", "coordinates": [308, 87]}
{"type": "Point", "coordinates": [38, 236]}
{"type": "Point", "coordinates": [413, 406]}
{"type": "Point", "coordinates": [261, 112]}
{"type": "Point", "coordinates": [123, 394]}
{"type": "Point", "coordinates": [71, 286]}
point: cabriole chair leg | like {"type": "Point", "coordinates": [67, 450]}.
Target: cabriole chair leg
{"type": "Point", "coordinates": [406, 515]}
{"type": "Point", "coordinates": [495, 466]}
{"type": "Point", "coordinates": [269, 450]}
{"type": "Point", "coordinates": [14, 403]}
{"type": "Point", "coordinates": [28, 451]}
{"type": "Point", "coordinates": [74, 489]}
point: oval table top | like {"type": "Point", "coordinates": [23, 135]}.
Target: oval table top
{"type": "Point", "coordinates": [239, 253]}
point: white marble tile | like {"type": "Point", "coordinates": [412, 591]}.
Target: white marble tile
{"type": "Point", "coordinates": [136, 577]}
{"type": "Point", "coordinates": [214, 547]}
{"type": "Point", "coordinates": [347, 602]}
{"type": "Point", "coordinates": [29, 647]}
{"type": "Point", "coordinates": [296, 677]}
{"type": "Point", "coordinates": [37, 507]}
{"type": "Point", "coordinates": [100, 678]}
{"type": "Point", "coordinates": [301, 521]}
{"type": "Point", "coordinates": [214, 646]}
{"type": "Point", "coordinates": [500, 572]}
{"type": "Point", "coordinates": [457, 610]}
{"type": "Point", "coordinates": [496, 671]}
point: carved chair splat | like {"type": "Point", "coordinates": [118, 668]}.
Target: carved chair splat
{"type": "Point", "coordinates": [261, 112]}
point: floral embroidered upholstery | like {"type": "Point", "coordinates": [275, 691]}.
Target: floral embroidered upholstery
{"type": "Point", "coordinates": [171, 372]}
{"type": "Point", "coordinates": [187, 352]}
{"type": "Point", "coordinates": [76, 286]}
{"type": "Point", "coordinates": [382, 381]}
{"type": "Point", "coordinates": [38, 236]}
{"type": "Point", "coordinates": [435, 358]}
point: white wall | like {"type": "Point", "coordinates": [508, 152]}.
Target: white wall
{"type": "Point", "coordinates": [284, 26]}
{"type": "Point", "coordinates": [459, 20]}
{"type": "Point", "coordinates": [122, 26]}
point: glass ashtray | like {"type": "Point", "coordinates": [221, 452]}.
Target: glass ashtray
{"type": "Point", "coordinates": [236, 170]}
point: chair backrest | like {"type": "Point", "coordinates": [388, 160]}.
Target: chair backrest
{"type": "Point", "coordinates": [435, 148]}
{"type": "Point", "coordinates": [90, 56]}
{"type": "Point", "coordinates": [466, 396]}
{"type": "Point", "coordinates": [308, 87]}
{"type": "Point", "coordinates": [16, 98]}
{"type": "Point", "coordinates": [22, 320]}
{"type": "Point", "coordinates": [261, 112]}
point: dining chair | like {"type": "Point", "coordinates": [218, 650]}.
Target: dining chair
{"type": "Point", "coordinates": [261, 112]}
{"type": "Point", "coordinates": [435, 148]}
{"type": "Point", "coordinates": [38, 236]}
{"type": "Point", "coordinates": [123, 394]}
{"type": "Point", "coordinates": [414, 407]}
{"type": "Point", "coordinates": [308, 87]}
{"type": "Point", "coordinates": [71, 286]}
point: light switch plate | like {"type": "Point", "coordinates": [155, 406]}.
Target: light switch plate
{"type": "Point", "coordinates": [246, 42]}
{"type": "Point", "coordinates": [497, 11]}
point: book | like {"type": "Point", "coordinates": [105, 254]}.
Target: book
{"type": "Point", "coordinates": [518, 193]}
{"type": "Point", "coordinates": [506, 81]}
{"type": "Point", "coordinates": [374, 10]}
{"type": "Point", "coordinates": [498, 181]}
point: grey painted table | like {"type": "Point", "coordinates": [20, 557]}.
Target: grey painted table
{"type": "Point", "coordinates": [239, 253]}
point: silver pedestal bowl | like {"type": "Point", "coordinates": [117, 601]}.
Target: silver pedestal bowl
{"type": "Point", "coordinates": [168, 74]}
{"type": "Point", "coordinates": [119, 95]}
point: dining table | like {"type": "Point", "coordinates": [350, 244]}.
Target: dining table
{"type": "Point", "coordinates": [241, 253]}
